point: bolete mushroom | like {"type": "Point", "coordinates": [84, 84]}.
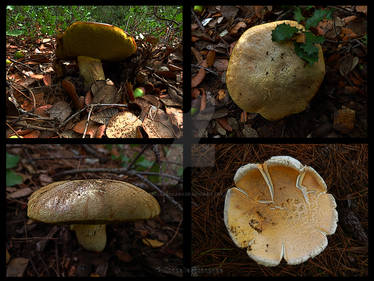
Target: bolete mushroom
{"type": "Point", "coordinates": [267, 77]}
{"type": "Point", "coordinates": [91, 42]}
{"type": "Point", "coordinates": [280, 208]}
{"type": "Point", "coordinates": [88, 205]}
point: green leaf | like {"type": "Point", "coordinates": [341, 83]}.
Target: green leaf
{"type": "Point", "coordinates": [16, 32]}
{"type": "Point", "coordinates": [11, 160]}
{"type": "Point", "coordinates": [12, 178]}
{"type": "Point", "coordinates": [144, 163]}
{"type": "Point", "coordinates": [180, 171]}
{"type": "Point", "coordinates": [283, 32]}
{"type": "Point", "coordinates": [297, 15]}
{"type": "Point", "coordinates": [311, 57]}
{"type": "Point", "coordinates": [318, 15]}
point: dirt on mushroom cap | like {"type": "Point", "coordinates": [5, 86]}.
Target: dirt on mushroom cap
{"type": "Point", "coordinates": [268, 77]}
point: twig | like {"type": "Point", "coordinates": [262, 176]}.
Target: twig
{"type": "Point", "coordinates": [72, 116]}
{"type": "Point", "coordinates": [158, 189]}
{"type": "Point", "coordinates": [137, 157]}
{"type": "Point", "coordinates": [207, 69]}
{"type": "Point", "coordinates": [197, 19]}
{"type": "Point", "coordinates": [88, 121]}
{"type": "Point", "coordinates": [114, 171]}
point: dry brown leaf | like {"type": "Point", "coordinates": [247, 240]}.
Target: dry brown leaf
{"type": "Point", "coordinates": [221, 94]}
{"type": "Point", "coordinates": [238, 26]}
{"type": "Point", "coordinates": [33, 135]}
{"type": "Point", "coordinates": [203, 100]}
{"type": "Point", "coordinates": [349, 19]}
{"type": "Point", "coordinates": [47, 79]}
{"type": "Point", "coordinates": [199, 77]}
{"type": "Point", "coordinates": [362, 9]}
{"type": "Point", "coordinates": [223, 122]}
{"type": "Point", "coordinates": [152, 243]}
{"type": "Point", "coordinates": [70, 89]}
{"type": "Point", "coordinates": [17, 267]}
{"type": "Point", "coordinates": [347, 34]}
{"type": "Point", "coordinates": [81, 125]}
{"type": "Point", "coordinates": [210, 58]}
{"type": "Point", "coordinates": [195, 93]}
{"type": "Point", "coordinates": [260, 11]}
{"type": "Point", "coordinates": [221, 64]}
{"type": "Point", "coordinates": [20, 193]}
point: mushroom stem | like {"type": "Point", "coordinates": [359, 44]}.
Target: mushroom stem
{"type": "Point", "coordinates": [92, 237]}
{"type": "Point", "coordinates": [91, 69]}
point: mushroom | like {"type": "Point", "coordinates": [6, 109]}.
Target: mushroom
{"type": "Point", "coordinates": [88, 205]}
{"type": "Point", "coordinates": [280, 208]}
{"type": "Point", "coordinates": [268, 77]}
{"type": "Point", "coordinates": [91, 42]}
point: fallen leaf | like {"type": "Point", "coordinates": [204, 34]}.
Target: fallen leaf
{"type": "Point", "coordinates": [124, 256]}
{"type": "Point", "coordinates": [47, 79]}
{"type": "Point", "coordinates": [221, 64]}
{"type": "Point", "coordinates": [362, 9]}
{"type": "Point", "coordinates": [238, 26]}
{"type": "Point", "coordinates": [7, 256]}
{"type": "Point", "coordinates": [91, 130]}
{"type": "Point", "coordinates": [223, 122]}
{"type": "Point", "coordinates": [195, 93]}
{"type": "Point", "coordinates": [347, 34]}
{"type": "Point", "coordinates": [199, 77]}
{"type": "Point", "coordinates": [210, 58]}
{"type": "Point", "coordinates": [203, 100]}
{"type": "Point", "coordinates": [16, 267]}
{"type": "Point", "coordinates": [152, 243]}
{"type": "Point", "coordinates": [20, 193]}
{"type": "Point", "coordinates": [221, 94]}
{"type": "Point", "coordinates": [70, 89]}
{"type": "Point", "coordinates": [349, 19]}
{"type": "Point", "coordinates": [33, 135]}
{"type": "Point", "coordinates": [260, 11]}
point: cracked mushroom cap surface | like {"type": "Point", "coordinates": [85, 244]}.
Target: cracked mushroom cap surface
{"type": "Point", "coordinates": [92, 201]}
{"type": "Point", "coordinates": [280, 209]}
{"type": "Point", "coordinates": [96, 40]}
{"type": "Point", "coordinates": [268, 77]}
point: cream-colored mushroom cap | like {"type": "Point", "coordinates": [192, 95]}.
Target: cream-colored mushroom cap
{"type": "Point", "coordinates": [268, 77]}
{"type": "Point", "coordinates": [91, 201]}
{"type": "Point", "coordinates": [280, 209]}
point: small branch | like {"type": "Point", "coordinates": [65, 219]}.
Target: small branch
{"type": "Point", "coordinates": [179, 206]}
{"type": "Point", "coordinates": [137, 157]}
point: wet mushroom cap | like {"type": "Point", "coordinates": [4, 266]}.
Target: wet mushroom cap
{"type": "Point", "coordinates": [280, 208]}
{"type": "Point", "coordinates": [268, 77]}
{"type": "Point", "coordinates": [96, 40]}
{"type": "Point", "coordinates": [94, 201]}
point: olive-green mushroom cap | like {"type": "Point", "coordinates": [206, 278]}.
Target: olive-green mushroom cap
{"type": "Point", "coordinates": [96, 40]}
{"type": "Point", "coordinates": [93, 201]}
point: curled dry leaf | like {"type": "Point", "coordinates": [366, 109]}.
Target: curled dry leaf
{"type": "Point", "coordinates": [238, 26]}
{"type": "Point", "coordinates": [91, 130]}
{"type": "Point", "coordinates": [70, 89]}
{"type": "Point", "coordinates": [203, 100]}
{"type": "Point", "coordinates": [223, 122]}
{"type": "Point", "coordinates": [199, 77]}
{"type": "Point", "coordinates": [210, 58]}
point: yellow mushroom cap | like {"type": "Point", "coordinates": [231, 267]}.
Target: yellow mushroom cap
{"type": "Point", "coordinates": [96, 40]}
{"type": "Point", "coordinates": [278, 209]}
{"type": "Point", "coordinates": [93, 201]}
{"type": "Point", "coordinates": [268, 77]}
